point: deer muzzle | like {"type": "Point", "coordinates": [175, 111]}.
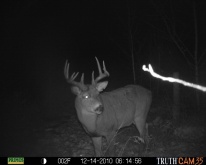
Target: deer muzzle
{"type": "Point", "coordinates": [99, 109]}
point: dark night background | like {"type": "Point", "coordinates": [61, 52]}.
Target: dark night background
{"type": "Point", "coordinates": [38, 36]}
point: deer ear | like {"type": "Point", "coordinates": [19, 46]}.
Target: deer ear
{"type": "Point", "coordinates": [101, 86]}
{"type": "Point", "coordinates": [76, 90]}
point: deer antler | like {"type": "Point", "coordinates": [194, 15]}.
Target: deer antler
{"type": "Point", "coordinates": [101, 75]}
{"type": "Point", "coordinates": [70, 80]}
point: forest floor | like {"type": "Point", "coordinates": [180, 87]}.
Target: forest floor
{"type": "Point", "coordinates": [65, 137]}
{"type": "Point", "coordinates": [59, 138]}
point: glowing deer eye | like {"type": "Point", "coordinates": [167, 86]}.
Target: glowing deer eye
{"type": "Point", "coordinates": [86, 96]}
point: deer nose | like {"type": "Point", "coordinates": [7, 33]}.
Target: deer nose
{"type": "Point", "coordinates": [99, 109]}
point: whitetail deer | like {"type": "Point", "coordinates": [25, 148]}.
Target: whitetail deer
{"type": "Point", "coordinates": [103, 114]}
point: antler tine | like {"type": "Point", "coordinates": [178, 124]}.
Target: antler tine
{"type": "Point", "coordinates": [73, 76]}
{"type": "Point", "coordinates": [99, 67]}
{"type": "Point", "coordinates": [82, 78]}
{"type": "Point", "coordinates": [101, 75]}
{"type": "Point", "coordinates": [66, 68]}
{"type": "Point", "coordinates": [104, 68]}
{"type": "Point", "coordinates": [93, 82]}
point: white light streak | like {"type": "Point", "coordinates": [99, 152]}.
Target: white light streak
{"type": "Point", "coordinates": [171, 79]}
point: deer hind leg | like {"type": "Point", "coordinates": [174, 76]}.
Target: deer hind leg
{"type": "Point", "coordinates": [97, 142]}
{"type": "Point", "coordinates": [142, 128]}
{"type": "Point", "coordinates": [140, 121]}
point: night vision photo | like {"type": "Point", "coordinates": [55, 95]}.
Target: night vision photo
{"type": "Point", "coordinates": [103, 79]}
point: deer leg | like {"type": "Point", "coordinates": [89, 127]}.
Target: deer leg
{"type": "Point", "coordinates": [110, 151]}
{"type": "Point", "coordinates": [141, 126]}
{"type": "Point", "coordinates": [97, 142]}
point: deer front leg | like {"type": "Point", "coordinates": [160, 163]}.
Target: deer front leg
{"type": "Point", "coordinates": [110, 151]}
{"type": "Point", "coordinates": [97, 142]}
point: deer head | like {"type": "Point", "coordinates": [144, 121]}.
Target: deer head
{"type": "Point", "coordinates": [87, 99]}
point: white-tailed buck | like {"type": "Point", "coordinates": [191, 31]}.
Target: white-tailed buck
{"type": "Point", "coordinates": [103, 114]}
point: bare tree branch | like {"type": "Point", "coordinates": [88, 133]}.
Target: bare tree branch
{"type": "Point", "coordinates": [171, 29]}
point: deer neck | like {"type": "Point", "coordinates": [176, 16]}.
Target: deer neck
{"type": "Point", "coordinates": [87, 119]}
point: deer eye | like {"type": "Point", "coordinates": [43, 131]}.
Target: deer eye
{"type": "Point", "coordinates": [86, 96]}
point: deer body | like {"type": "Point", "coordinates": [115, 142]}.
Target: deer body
{"type": "Point", "coordinates": [103, 114]}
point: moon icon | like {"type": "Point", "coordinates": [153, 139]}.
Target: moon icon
{"type": "Point", "coordinates": [43, 161]}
